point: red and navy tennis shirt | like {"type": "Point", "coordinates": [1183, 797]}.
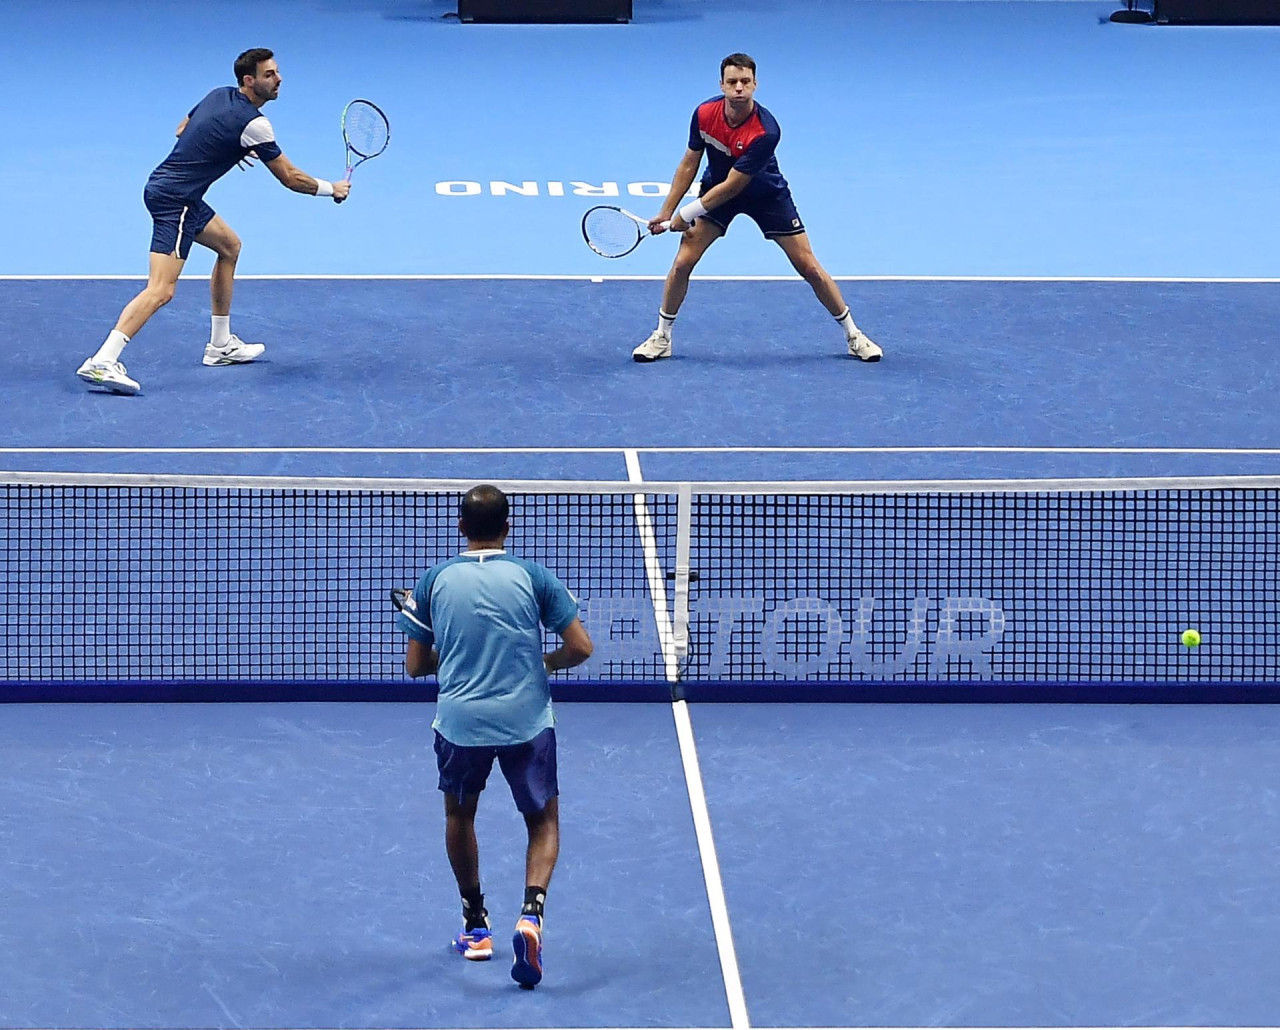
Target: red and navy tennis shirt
{"type": "Point", "coordinates": [748, 147]}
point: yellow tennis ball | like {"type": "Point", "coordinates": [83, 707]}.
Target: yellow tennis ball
{"type": "Point", "coordinates": [1191, 638]}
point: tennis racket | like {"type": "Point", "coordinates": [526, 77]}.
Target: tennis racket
{"type": "Point", "coordinates": [365, 131]}
{"type": "Point", "coordinates": [612, 232]}
{"type": "Point", "coordinates": [399, 596]}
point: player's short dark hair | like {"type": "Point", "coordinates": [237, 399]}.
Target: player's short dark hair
{"type": "Point", "coordinates": [247, 63]}
{"type": "Point", "coordinates": [738, 61]}
{"type": "Point", "coordinates": [483, 512]}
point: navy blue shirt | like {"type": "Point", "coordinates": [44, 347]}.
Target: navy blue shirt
{"type": "Point", "coordinates": [221, 130]}
{"type": "Point", "coordinates": [482, 611]}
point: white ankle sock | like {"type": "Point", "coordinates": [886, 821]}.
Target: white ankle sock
{"type": "Point", "coordinates": [112, 347]}
{"type": "Point", "coordinates": [665, 322]}
{"type": "Point", "coordinates": [846, 323]}
{"type": "Point", "coordinates": [221, 331]}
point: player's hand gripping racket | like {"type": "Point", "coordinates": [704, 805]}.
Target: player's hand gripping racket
{"type": "Point", "coordinates": [613, 232]}
{"type": "Point", "coordinates": [365, 131]}
{"type": "Point", "coordinates": [399, 596]}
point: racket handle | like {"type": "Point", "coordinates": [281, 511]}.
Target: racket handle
{"type": "Point", "coordinates": [666, 224]}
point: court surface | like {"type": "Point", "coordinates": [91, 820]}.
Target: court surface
{"type": "Point", "coordinates": [1059, 230]}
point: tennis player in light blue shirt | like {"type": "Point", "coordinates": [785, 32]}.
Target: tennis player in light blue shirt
{"type": "Point", "coordinates": [476, 621]}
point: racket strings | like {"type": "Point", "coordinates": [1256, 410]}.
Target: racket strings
{"type": "Point", "coordinates": [365, 129]}
{"type": "Point", "coordinates": [610, 232]}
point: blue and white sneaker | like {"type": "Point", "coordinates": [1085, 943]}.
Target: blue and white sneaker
{"type": "Point", "coordinates": [477, 945]}
{"type": "Point", "coordinates": [526, 969]}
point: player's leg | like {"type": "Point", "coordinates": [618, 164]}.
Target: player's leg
{"type": "Point", "coordinates": [460, 839]}
{"type": "Point", "coordinates": [544, 847]}
{"type": "Point", "coordinates": [800, 252]}
{"type": "Point", "coordinates": [463, 774]}
{"type": "Point", "coordinates": [105, 370]}
{"type": "Point", "coordinates": [543, 827]}
{"type": "Point", "coordinates": [162, 282]}
{"type": "Point", "coordinates": [693, 244]}
{"type": "Point", "coordinates": [224, 347]}
{"type": "Point", "coordinates": [530, 769]}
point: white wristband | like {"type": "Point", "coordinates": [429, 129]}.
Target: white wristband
{"type": "Point", "coordinates": [692, 210]}
{"type": "Point", "coordinates": [324, 188]}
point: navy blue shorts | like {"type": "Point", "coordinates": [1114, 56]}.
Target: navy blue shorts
{"type": "Point", "coordinates": [529, 768]}
{"type": "Point", "coordinates": [776, 215]}
{"type": "Point", "coordinates": [174, 223]}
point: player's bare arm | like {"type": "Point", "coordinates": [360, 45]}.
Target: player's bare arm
{"type": "Point", "coordinates": [683, 178]}
{"type": "Point", "coordinates": [576, 648]}
{"type": "Point", "coordinates": [294, 178]}
{"type": "Point", "coordinates": [420, 660]}
{"type": "Point", "coordinates": [734, 184]}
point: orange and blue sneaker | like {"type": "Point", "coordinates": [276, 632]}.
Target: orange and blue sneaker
{"type": "Point", "coordinates": [526, 970]}
{"type": "Point", "coordinates": [476, 944]}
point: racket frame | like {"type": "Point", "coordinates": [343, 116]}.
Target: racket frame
{"type": "Point", "coordinates": [351, 166]}
{"type": "Point", "coordinates": [642, 228]}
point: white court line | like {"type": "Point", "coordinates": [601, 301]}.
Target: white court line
{"type": "Point", "coordinates": [702, 278]}
{"type": "Point", "coordinates": [734, 994]}
{"type": "Point", "coordinates": [727, 449]}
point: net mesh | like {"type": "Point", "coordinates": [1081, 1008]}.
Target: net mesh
{"type": "Point", "coordinates": [111, 583]}
{"type": "Point", "coordinates": [1016, 587]}
{"type": "Point", "coordinates": [610, 232]}
{"type": "Point", "coordinates": [365, 128]}
{"type": "Point", "coordinates": [167, 582]}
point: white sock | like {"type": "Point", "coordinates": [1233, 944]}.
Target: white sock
{"type": "Point", "coordinates": [112, 347]}
{"type": "Point", "coordinates": [846, 323]}
{"type": "Point", "coordinates": [221, 331]}
{"type": "Point", "coordinates": [665, 322]}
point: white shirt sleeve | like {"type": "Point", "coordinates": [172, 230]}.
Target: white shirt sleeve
{"type": "Point", "coordinates": [257, 132]}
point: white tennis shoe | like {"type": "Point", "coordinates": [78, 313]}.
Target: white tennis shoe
{"type": "Point", "coordinates": [658, 345]}
{"type": "Point", "coordinates": [108, 375]}
{"type": "Point", "coordinates": [234, 352]}
{"type": "Point", "coordinates": [861, 347]}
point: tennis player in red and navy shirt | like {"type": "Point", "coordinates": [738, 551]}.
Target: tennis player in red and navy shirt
{"type": "Point", "coordinates": [739, 138]}
{"type": "Point", "coordinates": [226, 128]}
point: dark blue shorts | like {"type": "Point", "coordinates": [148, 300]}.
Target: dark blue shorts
{"type": "Point", "coordinates": [175, 223]}
{"type": "Point", "coordinates": [529, 768]}
{"type": "Point", "coordinates": [776, 214]}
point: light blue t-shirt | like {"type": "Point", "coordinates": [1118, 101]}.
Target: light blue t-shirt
{"type": "Point", "coordinates": [482, 610]}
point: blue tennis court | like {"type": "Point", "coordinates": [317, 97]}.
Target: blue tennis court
{"type": "Point", "coordinates": [1060, 231]}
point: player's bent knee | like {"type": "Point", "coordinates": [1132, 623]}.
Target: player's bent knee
{"type": "Point", "coordinates": [160, 295]}
{"type": "Point", "coordinates": [685, 263]}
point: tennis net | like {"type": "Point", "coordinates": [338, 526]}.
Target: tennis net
{"type": "Point", "coordinates": [935, 590]}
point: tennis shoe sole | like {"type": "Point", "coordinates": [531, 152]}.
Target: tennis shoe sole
{"type": "Point", "coordinates": [526, 970]}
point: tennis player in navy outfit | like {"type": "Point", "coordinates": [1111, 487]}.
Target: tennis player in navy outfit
{"type": "Point", "coordinates": [742, 177]}
{"type": "Point", "coordinates": [475, 620]}
{"type": "Point", "coordinates": [226, 128]}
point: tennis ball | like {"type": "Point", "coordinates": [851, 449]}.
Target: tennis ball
{"type": "Point", "coordinates": [1191, 638]}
